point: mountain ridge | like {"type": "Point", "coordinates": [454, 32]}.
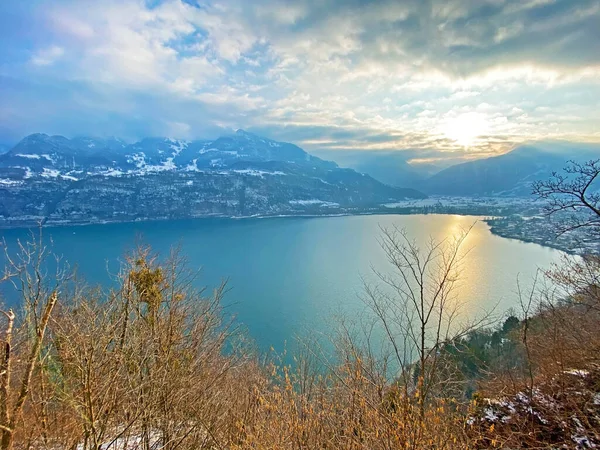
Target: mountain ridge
{"type": "Point", "coordinates": [511, 173]}
{"type": "Point", "coordinates": [85, 180]}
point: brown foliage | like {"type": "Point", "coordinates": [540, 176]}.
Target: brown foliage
{"type": "Point", "coordinates": [153, 364]}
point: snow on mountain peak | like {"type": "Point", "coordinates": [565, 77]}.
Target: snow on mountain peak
{"type": "Point", "coordinates": [44, 155]}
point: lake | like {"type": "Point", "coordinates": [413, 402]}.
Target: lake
{"type": "Point", "coordinates": [291, 276]}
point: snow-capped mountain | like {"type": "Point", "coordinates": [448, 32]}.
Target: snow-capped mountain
{"type": "Point", "coordinates": [57, 156]}
{"type": "Point", "coordinates": [55, 179]}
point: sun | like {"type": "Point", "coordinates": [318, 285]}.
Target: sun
{"type": "Point", "coordinates": [465, 128]}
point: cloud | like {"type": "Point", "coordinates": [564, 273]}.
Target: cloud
{"type": "Point", "coordinates": [47, 56]}
{"type": "Point", "coordinates": [327, 74]}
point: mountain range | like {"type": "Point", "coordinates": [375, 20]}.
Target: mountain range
{"type": "Point", "coordinates": [55, 180]}
{"type": "Point", "coordinates": [85, 180]}
{"type": "Point", "coordinates": [510, 174]}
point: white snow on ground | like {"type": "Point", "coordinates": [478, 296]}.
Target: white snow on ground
{"type": "Point", "coordinates": [193, 167]}
{"type": "Point", "coordinates": [113, 173]}
{"type": "Point", "coordinates": [5, 182]}
{"type": "Point", "coordinates": [35, 156]}
{"type": "Point", "coordinates": [139, 159]}
{"type": "Point", "coordinates": [53, 173]}
{"type": "Point", "coordinates": [178, 146]}
{"type": "Point", "coordinates": [256, 173]}
{"type": "Point", "coordinates": [50, 173]}
{"type": "Point", "coordinates": [312, 201]}
{"type": "Point", "coordinates": [577, 372]}
{"type": "Point", "coordinates": [130, 443]}
{"type": "Point", "coordinates": [49, 158]}
{"type": "Point", "coordinates": [491, 415]}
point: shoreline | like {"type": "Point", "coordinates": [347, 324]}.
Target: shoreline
{"type": "Point", "coordinates": [385, 211]}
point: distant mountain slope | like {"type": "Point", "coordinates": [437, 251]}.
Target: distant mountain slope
{"type": "Point", "coordinates": [389, 167]}
{"type": "Point", "coordinates": [84, 180]}
{"type": "Point", "coordinates": [508, 174]}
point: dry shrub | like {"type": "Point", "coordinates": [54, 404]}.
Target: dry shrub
{"type": "Point", "coordinates": [153, 363]}
{"type": "Point", "coordinates": [556, 404]}
{"type": "Point", "coordinates": [142, 366]}
{"type": "Point", "coordinates": [346, 411]}
{"type": "Point", "coordinates": [561, 411]}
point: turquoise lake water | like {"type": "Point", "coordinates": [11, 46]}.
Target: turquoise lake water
{"type": "Point", "coordinates": [295, 276]}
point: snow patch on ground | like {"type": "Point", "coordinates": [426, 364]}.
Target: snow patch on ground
{"type": "Point", "coordinates": [49, 158]}
{"type": "Point", "coordinates": [5, 182]}
{"type": "Point", "coordinates": [50, 173]}
{"type": "Point", "coordinates": [193, 167]}
{"type": "Point", "coordinates": [256, 173]}
{"type": "Point", "coordinates": [113, 173]}
{"type": "Point", "coordinates": [313, 201]}
{"type": "Point", "coordinates": [36, 156]}
{"type": "Point", "coordinates": [53, 173]}
{"type": "Point", "coordinates": [178, 146]}
{"type": "Point", "coordinates": [139, 159]}
{"type": "Point", "coordinates": [577, 372]}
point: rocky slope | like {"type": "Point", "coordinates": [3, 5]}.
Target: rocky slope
{"type": "Point", "coordinates": [87, 180]}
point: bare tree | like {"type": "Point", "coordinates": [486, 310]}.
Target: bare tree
{"type": "Point", "coordinates": [573, 191]}
{"type": "Point", "coordinates": [417, 307]}
{"type": "Point", "coordinates": [27, 272]}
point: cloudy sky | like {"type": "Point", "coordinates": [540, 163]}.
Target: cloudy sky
{"type": "Point", "coordinates": [442, 77]}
